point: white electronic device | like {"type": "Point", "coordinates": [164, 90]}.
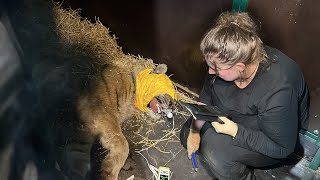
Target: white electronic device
{"type": "Point", "coordinates": [163, 173]}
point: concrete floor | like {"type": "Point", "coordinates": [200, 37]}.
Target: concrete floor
{"type": "Point", "coordinates": [173, 154]}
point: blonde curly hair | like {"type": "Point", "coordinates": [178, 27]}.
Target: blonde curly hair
{"type": "Point", "coordinates": [233, 39]}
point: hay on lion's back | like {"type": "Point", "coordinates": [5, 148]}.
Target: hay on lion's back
{"type": "Point", "coordinates": [94, 40]}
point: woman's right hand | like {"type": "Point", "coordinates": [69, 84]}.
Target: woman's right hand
{"type": "Point", "coordinates": [193, 142]}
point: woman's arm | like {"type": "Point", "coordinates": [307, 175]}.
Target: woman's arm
{"type": "Point", "coordinates": [204, 99]}
{"type": "Point", "coordinates": [205, 93]}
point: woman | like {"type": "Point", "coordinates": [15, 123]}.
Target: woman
{"type": "Point", "coordinates": [263, 92]}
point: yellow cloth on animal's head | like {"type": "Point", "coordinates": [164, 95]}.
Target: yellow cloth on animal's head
{"type": "Point", "coordinates": [149, 85]}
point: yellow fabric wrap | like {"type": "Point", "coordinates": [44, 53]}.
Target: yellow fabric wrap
{"type": "Point", "coordinates": [149, 85]}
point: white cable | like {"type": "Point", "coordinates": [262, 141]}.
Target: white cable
{"type": "Point", "coordinates": [153, 169]}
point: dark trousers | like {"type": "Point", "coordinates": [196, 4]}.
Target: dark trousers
{"type": "Point", "coordinates": [225, 160]}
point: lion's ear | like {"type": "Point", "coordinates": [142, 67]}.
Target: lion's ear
{"type": "Point", "coordinates": [160, 69]}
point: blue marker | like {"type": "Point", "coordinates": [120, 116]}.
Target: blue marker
{"type": "Point", "coordinates": [194, 161]}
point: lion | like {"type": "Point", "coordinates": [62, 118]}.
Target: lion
{"type": "Point", "coordinates": [112, 98]}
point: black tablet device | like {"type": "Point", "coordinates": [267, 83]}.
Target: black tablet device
{"type": "Point", "coordinates": [205, 112]}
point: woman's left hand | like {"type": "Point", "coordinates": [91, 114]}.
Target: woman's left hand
{"type": "Point", "coordinates": [227, 127]}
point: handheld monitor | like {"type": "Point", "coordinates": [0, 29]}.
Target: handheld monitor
{"type": "Point", "coordinates": [205, 112]}
{"type": "Point", "coordinates": [164, 173]}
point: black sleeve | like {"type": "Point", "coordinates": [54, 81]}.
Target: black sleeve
{"type": "Point", "coordinates": [205, 93]}
{"type": "Point", "coordinates": [278, 123]}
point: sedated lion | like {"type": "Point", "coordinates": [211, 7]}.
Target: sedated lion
{"type": "Point", "coordinates": [112, 98]}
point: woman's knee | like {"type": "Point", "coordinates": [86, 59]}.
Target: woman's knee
{"type": "Point", "coordinates": [213, 144]}
{"type": "Point", "coordinates": [225, 169]}
{"type": "Point", "coordinates": [220, 155]}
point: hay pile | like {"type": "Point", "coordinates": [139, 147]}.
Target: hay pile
{"type": "Point", "coordinates": [94, 40]}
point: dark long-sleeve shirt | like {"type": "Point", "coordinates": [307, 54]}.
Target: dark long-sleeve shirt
{"type": "Point", "coordinates": [270, 110]}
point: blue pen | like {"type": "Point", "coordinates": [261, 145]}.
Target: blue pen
{"type": "Point", "coordinates": [194, 161]}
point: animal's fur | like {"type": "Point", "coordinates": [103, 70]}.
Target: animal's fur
{"type": "Point", "coordinates": [108, 101]}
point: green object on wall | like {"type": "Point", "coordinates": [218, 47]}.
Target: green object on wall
{"type": "Point", "coordinates": [314, 139]}
{"type": "Point", "coordinates": [239, 5]}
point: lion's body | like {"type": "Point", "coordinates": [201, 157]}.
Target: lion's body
{"type": "Point", "coordinates": [107, 97]}
{"type": "Point", "coordinates": [107, 102]}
